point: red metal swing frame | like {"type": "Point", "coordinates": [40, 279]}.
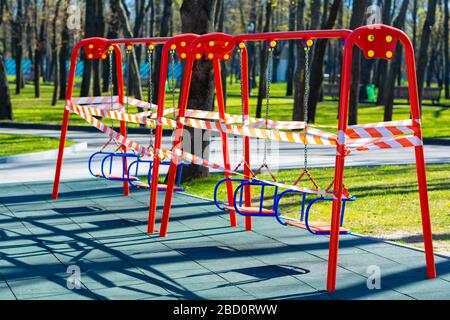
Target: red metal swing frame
{"type": "Point", "coordinates": [376, 41]}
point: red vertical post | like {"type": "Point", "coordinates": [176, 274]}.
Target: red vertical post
{"type": "Point", "coordinates": [245, 101]}
{"type": "Point", "coordinates": [158, 140]}
{"type": "Point", "coordinates": [226, 157]}
{"type": "Point", "coordinates": [339, 167]}
{"type": "Point", "coordinates": [65, 121]}
{"type": "Point", "coordinates": [171, 175]}
{"type": "Point", "coordinates": [123, 124]}
{"type": "Point", "coordinates": [420, 159]}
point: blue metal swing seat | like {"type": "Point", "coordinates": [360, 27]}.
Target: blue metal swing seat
{"type": "Point", "coordinates": [314, 227]}
{"type": "Point", "coordinates": [238, 196]}
{"type": "Point", "coordinates": [130, 173]}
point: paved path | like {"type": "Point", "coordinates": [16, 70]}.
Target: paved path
{"type": "Point", "coordinates": [93, 228]}
{"type": "Point", "coordinates": [283, 156]}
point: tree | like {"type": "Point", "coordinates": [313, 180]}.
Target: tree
{"type": "Point", "coordinates": [164, 32]}
{"type": "Point", "coordinates": [422, 60]}
{"type": "Point", "coordinates": [446, 52]}
{"type": "Point", "coordinates": [382, 64]}
{"type": "Point", "coordinates": [291, 50]}
{"type": "Point", "coordinates": [55, 52]}
{"type": "Point", "coordinates": [318, 61]}
{"type": "Point", "coordinates": [94, 12]}
{"type": "Point", "coordinates": [64, 53]}
{"type": "Point", "coordinates": [299, 83]}
{"type": "Point", "coordinates": [6, 112]}
{"type": "Point", "coordinates": [262, 92]}
{"type": "Point", "coordinates": [359, 7]}
{"type": "Point", "coordinates": [198, 16]}
{"type": "Point", "coordinates": [17, 25]}
{"type": "Point", "coordinates": [39, 49]}
{"type": "Point", "coordinates": [399, 23]}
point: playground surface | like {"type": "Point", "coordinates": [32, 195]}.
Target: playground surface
{"type": "Point", "coordinates": [92, 226]}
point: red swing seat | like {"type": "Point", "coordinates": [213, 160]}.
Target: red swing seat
{"type": "Point", "coordinates": [251, 210]}
{"type": "Point", "coordinates": [316, 226]}
{"type": "Point", "coordinates": [161, 187]}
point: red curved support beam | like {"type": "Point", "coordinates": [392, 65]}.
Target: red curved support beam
{"type": "Point", "coordinates": [377, 41]}
{"type": "Point", "coordinates": [182, 44]}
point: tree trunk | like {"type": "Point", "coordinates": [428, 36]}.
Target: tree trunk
{"type": "Point", "coordinates": [299, 83]}
{"type": "Point", "coordinates": [359, 8]}
{"type": "Point", "coordinates": [399, 23]}
{"type": "Point", "coordinates": [64, 55]}
{"type": "Point", "coordinates": [263, 61]}
{"type": "Point", "coordinates": [197, 16]}
{"type": "Point", "coordinates": [291, 51]}
{"type": "Point", "coordinates": [100, 32]}
{"type": "Point", "coordinates": [317, 63]}
{"type": "Point", "coordinates": [164, 32]}
{"type": "Point", "coordinates": [113, 33]}
{"type": "Point", "coordinates": [55, 52]}
{"type": "Point", "coordinates": [446, 53]}
{"type": "Point", "coordinates": [89, 31]}
{"type": "Point", "coordinates": [422, 61]}
{"type": "Point", "coordinates": [6, 112]}
{"type": "Point", "coordinates": [40, 32]}
{"type": "Point", "coordinates": [17, 37]}
{"type": "Point", "coordinates": [382, 64]}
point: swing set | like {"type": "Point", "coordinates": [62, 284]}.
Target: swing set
{"type": "Point", "coordinates": [375, 41]}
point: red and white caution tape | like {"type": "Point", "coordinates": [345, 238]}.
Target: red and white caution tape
{"type": "Point", "coordinates": [94, 100]}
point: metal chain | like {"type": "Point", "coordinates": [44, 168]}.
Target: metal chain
{"type": "Point", "coordinates": [172, 80]}
{"type": "Point", "coordinates": [242, 87]}
{"type": "Point", "coordinates": [150, 88]}
{"type": "Point", "coordinates": [268, 86]}
{"type": "Point", "coordinates": [305, 101]}
{"type": "Point", "coordinates": [111, 85]}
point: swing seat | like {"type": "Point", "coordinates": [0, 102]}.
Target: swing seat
{"type": "Point", "coordinates": [317, 227]}
{"type": "Point", "coordinates": [251, 211]}
{"type": "Point", "coordinates": [161, 187]}
{"type": "Point", "coordinates": [118, 177]}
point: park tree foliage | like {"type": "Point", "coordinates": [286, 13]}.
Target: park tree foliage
{"type": "Point", "coordinates": [45, 31]}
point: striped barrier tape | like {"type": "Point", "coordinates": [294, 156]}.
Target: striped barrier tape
{"type": "Point", "coordinates": [397, 142]}
{"type": "Point", "coordinates": [94, 100]}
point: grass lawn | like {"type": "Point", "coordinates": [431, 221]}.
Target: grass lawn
{"type": "Point", "coordinates": [387, 202]}
{"type": "Point", "coordinates": [435, 118]}
{"type": "Point", "coordinates": [12, 144]}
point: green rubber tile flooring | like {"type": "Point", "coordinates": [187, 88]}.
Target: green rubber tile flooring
{"type": "Point", "coordinates": [97, 236]}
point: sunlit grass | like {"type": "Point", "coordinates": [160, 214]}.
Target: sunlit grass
{"type": "Point", "coordinates": [435, 118]}
{"type": "Point", "coordinates": [12, 144]}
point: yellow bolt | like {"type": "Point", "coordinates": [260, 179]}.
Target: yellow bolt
{"type": "Point", "coordinates": [226, 56]}
{"type": "Point", "coordinates": [212, 43]}
{"type": "Point", "coordinates": [111, 48]}
{"type": "Point", "coordinates": [198, 56]}
{"type": "Point", "coordinates": [151, 47]}
{"type": "Point", "coordinates": [183, 44]}
{"type": "Point", "coordinates": [388, 39]}
{"type": "Point", "coordinates": [210, 56]}
{"type": "Point", "coordinates": [226, 44]}
{"type": "Point", "coordinates": [129, 47]}
{"type": "Point", "coordinates": [273, 44]}
{"type": "Point", "coordinates": [199, 45]}
{"type": "Point", "coordinates": [242, 45]}
{"type": "Point", "coordinates": [370, 37]}
{"type": "Point", "coordinates": [173, 47]}
{"type": "Point", "coordinates": [91, 46]}
{"type": "Point", "coordinates": [103, 56]}
{"type": "Point", "coordinates": [183, 55]}
{"type": "Point", "coordinates": [370, 53]}
{"type": "Point", "coordinates": [389, 54]}
{"type": "Point", "coordinates": [309, 43]}
{"type": "Point", "coordinates": [90, 56]}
